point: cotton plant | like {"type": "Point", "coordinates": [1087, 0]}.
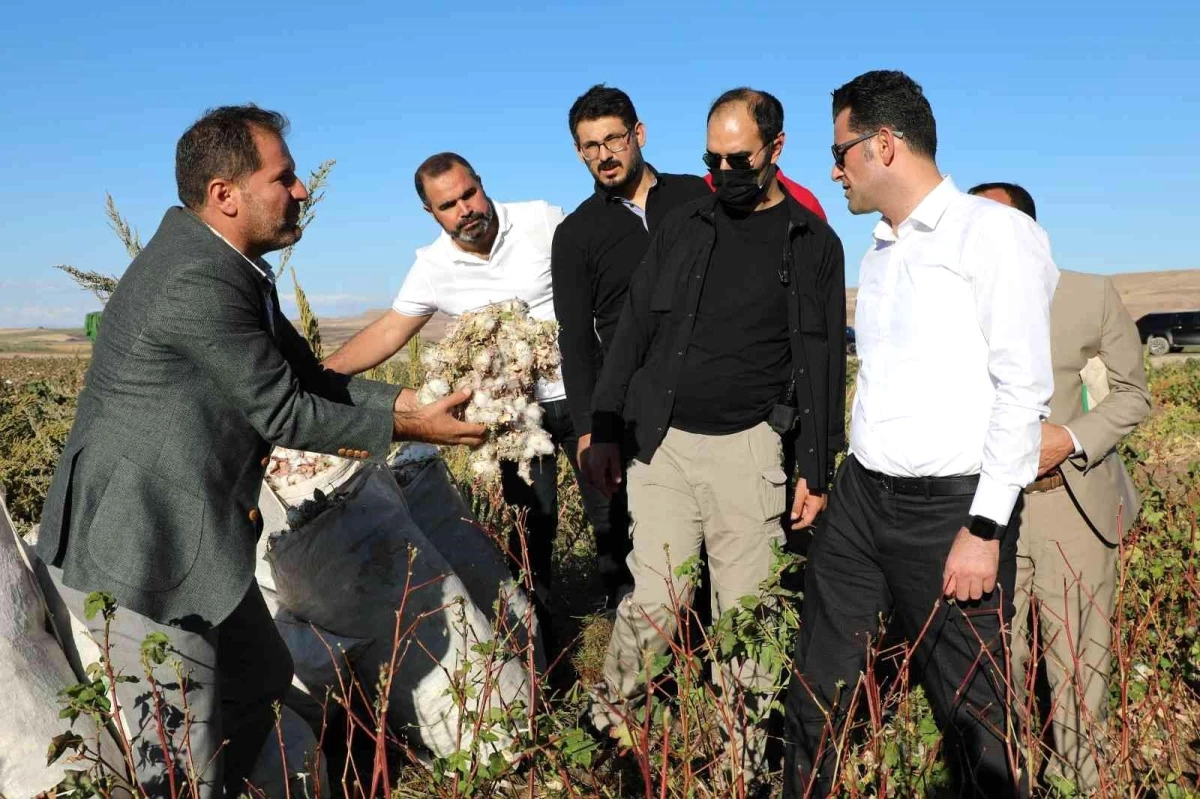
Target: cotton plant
{"type": "Point", "coordinates": [500, 353]}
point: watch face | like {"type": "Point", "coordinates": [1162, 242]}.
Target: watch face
{"type": "Point", "coordinates": [983, 528]}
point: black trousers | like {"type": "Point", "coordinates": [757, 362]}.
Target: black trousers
{"type": "Point", "coordinates": [609, 519]}
{"type": "Point", "coordinates": [879, 556]}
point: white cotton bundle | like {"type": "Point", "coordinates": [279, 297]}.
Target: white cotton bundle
{"type": "Point", "coordinates": [500, 353]}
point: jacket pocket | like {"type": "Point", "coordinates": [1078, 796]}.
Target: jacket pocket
{"type": "Point", "coordinates": [147, 529]}
{"type": "Point", "coordinates": [812, 315]}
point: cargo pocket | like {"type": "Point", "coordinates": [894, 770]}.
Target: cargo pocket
{"type": "Point", "coordinates": [772, 493]}
{"type": "Point", "coordinates": [147, 529]}
{"type": "Point", "coordinates": [766, 456]}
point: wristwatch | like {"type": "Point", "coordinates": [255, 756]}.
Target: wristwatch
{"type": "Point", "coordinates": [985, 528]}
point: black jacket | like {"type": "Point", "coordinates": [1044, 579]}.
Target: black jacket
{"type": "Point", "coordinates": [634, 396]}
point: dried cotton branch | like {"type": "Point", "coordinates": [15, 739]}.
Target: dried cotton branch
{"type": "Point", "coordinates": [499, 352]}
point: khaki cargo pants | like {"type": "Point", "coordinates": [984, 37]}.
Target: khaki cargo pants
{"type": "Point", "coordinates": [727, 493]}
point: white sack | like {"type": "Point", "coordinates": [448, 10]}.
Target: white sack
{"type": "Point", "coordinates": [346, 570]}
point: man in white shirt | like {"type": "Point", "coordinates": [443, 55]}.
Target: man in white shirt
{"type": "Point", "coordinates": [487, 252]}
{"type": "Point", "coordinates": [953, 339]}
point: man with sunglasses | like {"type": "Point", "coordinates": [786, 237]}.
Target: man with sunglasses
{"type": "Point", "coordinates": [730, 345]}
{"type": "Point", "coordinates": [921, 531]}
{"type": "Point", "coordinates": [596, 249]}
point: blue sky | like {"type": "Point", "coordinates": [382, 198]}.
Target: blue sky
{"type": "Point", "coordinates": [1095, 107]}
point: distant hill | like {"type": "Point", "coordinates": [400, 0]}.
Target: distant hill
{"type": "Point", "coordinates": [1143, 292]}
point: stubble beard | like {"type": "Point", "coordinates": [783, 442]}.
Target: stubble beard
{"type": "Point", "coordinates": [633, 174]}
{"type": "Point", "coordinates": [462, 236]}
{"type": "Point", "coordinates": [269, 233]}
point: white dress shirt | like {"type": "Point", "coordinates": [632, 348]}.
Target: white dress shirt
{"type": "Point", "coordinates": [447, 279]}
{"type": "Point", "coordinates": [953, 337]}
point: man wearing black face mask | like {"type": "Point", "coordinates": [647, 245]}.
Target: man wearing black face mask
{"type": "Point", "coordinates": [731, 345]}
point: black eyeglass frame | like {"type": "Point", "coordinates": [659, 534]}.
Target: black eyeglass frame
{"type": "Point", "coordinates": [839, 150]}
{"type": "Point", "coordinates": [622, 137]}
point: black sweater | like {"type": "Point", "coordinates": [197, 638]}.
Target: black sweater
{"type": "Point", "coordinates": [596, 250]}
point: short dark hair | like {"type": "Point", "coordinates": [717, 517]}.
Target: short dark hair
{"type": "Point", "coordinates": [436, 165]}
{"type": "Point", "coordinates": [221, 144]}
{"type": "Point", "coordinates": [1020, 199]}
{"type": "Point", "coordinates": [889, 99]}
{"type": "Point", "coordinates": [598, 102]}
{"type": "Point", "coordinates": [763, 106]}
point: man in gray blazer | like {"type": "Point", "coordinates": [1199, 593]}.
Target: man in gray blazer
{"type": "Point", "coordinates": [195, 376]}
{"type": "Point", "coordinates": [1076, 512]}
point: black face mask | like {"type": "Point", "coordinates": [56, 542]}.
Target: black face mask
{"type": "Point", "coordinates": [740, 188]}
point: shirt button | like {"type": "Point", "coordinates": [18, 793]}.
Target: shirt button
{"type": "Point", "coordinates": [806, 410]}
{"type": "Point", "coordinates": [253, 514]}
{"type": "Point", "coordinates": [660, 429]}
{"type": "Point", "coordinates": [799, 371]}
{"type": "Point", "coordinates": [670, 391]}
{"type": "Point", "coordinates": [681, 352]}
{"type": "Point", "coordinates": [364, 454]}
{"type": "Point", "coordinates": [342, 452]}
{"type": "Point", "coordinates": [810, 451]}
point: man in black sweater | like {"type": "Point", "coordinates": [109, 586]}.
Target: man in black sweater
{"type": "Point", "coordinates": [596, 249]}
{"type": "Point", "coordinates": [731, 344]}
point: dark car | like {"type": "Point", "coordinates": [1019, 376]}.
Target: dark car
{"type": "Point", "coordinates": [1169, 332]}
{"type": "Point", "coordinates": [850, 348]}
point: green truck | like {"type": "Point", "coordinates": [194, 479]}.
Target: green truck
{"type": "Point", "coordinates": [91, 325]}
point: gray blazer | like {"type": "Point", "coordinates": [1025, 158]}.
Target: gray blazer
{"type": "Point", "coordinates": [188, 390]}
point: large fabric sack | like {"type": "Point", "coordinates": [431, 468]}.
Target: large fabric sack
{"type": "Point", "coordinates": [346, 571]}
{"type": "Point", "coordinates": [447, 521]}
{"type": "Point", "coordinates": [322, 660]}
{"type": "Point", "coordinates": [274, 503]}
{"type": "Point", "coordinates": [293, 769]}
{"type": "Point", "coordinates": [34, 670]}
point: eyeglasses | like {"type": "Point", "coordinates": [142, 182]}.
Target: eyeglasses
{"type": "Point", "coordinates": [615, 143]}
{"type": "Point", "coordinates": [735, 160]}
{"type": "Point", "coordinates": [839, 150]}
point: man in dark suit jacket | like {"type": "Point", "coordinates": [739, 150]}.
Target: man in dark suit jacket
{"type": "Point", "coordinates": [195, 377]}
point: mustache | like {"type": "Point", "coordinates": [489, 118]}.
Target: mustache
{"type": "Point", "coordinates": [609, 164]}
{"type": "Point", "coordinates": [471, 219]}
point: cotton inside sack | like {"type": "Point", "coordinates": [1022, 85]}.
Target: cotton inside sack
{"type": "Point", "coordinates": [346, 571]}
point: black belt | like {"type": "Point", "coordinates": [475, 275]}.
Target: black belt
{"type": "Point", "coordinates": [959, 486]}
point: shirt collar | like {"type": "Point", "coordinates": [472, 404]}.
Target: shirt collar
{"type": "Point", "coordinates": [926, 215]}
{"type": "Point", "coordinates": [458, 255]}
{"type": "Point", "coordinates": [262, 267]}
{"type": "Point", "coordinates": [609, 197]}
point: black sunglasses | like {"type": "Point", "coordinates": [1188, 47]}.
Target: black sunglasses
{"type": "Point", "coordinates": [736, 160]}
{"type": "Point", "coordinates": [839, 150]}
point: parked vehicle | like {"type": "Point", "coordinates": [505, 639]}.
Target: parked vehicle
{"type": "Point", "coordinates": [851, 349]}
{"type": "Point", "coordinates": [1169, 332]}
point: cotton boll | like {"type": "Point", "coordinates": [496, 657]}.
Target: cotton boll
{"type": "Point", "coordinates": [482, 362]}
